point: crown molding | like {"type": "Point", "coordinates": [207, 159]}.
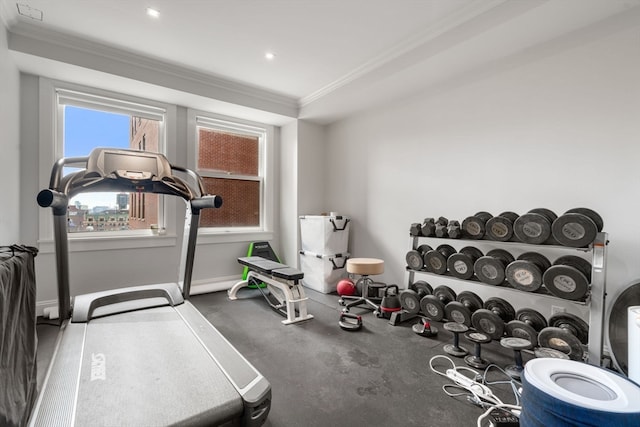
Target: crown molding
{"type": "Point", "coordinates": [35, 40]}
{"type": "Point", "coordinates": [8, 15]}
{"type": "Point", "coordinates": [407, 45]}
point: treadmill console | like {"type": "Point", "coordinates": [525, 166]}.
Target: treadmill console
{"type": "Point", "coordinates": [128, 164]}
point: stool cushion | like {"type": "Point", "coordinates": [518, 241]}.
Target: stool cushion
{"type": "Point", "coordinates": [365, 266]}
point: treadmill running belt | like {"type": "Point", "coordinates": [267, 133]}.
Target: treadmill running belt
{"type": "Point", "coordinates": [147, 368]}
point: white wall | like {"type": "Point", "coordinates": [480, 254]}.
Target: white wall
{"type": "Point", "coordinates": [302, 186]}
{"type": "Point", "coordinates": [9, 143]}
{"type": "Point", "coordinates": [556, 127]}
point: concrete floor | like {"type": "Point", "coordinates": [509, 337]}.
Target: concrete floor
{"type": "Point", "coordinates": [322, 375]}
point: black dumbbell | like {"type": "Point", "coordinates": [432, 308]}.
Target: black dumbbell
{"type": "Point", "coordinates": [428, 228]}
{"type": "Point", "coordinates": [492, 318]}
{"type": "Point", "coordinates": [463, 307]}
{"type": "Point", "coordinates": [455, 349]}
{"type": "Point", "coordinates": [569, 277]}
{"type": "Point", "coordinates": [454, 231]}
{"type": "Point", "coordinates": [527, 324]}
{"type": "Point", "coordinates": [577, 227]}
{"type": "Point", "coordinates": [500, 228]}
{"type": "Point", "coordinates": [433, 305]}
{"type": "Point", "coordinates": [526, 272]}
{"type": "Point", "coordinates": [517, 345]}
{"type": "Point", "coordinates": [415, 257]}
{"type": "Point", "coordinates": [490, 268]}
{"type": "Point", "coordinates": [475, 360]}
{"type": "Point", "coordinates": [534, 227]}
{"type": "Point", "coordinates": [566, 333]}
{"type": "Point", "coordinates": [410, 298]}
{"type": "Point", "coordinates": [415, 229]}
{"type": "Point", "coordinates": [474, 227]}
{"type": "Point", "coordinates": [461, 264]}
{"type": "Point", "coordinates": [435, 261]}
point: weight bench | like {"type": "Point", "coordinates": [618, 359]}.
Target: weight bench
{"type": "Point", "coordinates": [286, 294]}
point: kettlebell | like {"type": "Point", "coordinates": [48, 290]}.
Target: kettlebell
{"type": "Point", "coordinates": [390, 301]}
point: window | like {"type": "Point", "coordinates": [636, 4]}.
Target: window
{"type": "Point", "coordinates": [87, 121]}
{"type": "Point", "coordinates": [233, 159]}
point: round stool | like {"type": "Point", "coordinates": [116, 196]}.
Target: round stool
{"type": "Point", "coordinates": [364, 267]}
{"type": "Point", "coordinates": [475, 360]}
{"type": "Point", "coordinates": [455, 349]}
{"type": "Point", "coordinates": [517, 345]}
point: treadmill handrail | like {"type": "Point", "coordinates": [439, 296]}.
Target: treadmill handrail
{"type": "Point", "coordinates": [125, 170]}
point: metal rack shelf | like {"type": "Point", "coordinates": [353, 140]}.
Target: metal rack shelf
{"type": "Point", "coordinates": [595, 300]}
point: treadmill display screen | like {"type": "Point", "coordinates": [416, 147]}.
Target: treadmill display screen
{"type": "Point", "coordinates": [131, 163]}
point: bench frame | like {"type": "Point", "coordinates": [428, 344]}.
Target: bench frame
{"type": "Point", "coordinates": [283, 283]}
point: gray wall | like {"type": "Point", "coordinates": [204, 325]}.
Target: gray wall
{"type": "Point", "coordinates": [555, 127]}
{"type": "Point", "coordinates": [10, 143]}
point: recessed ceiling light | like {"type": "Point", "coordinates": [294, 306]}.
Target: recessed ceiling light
{"type": "Point", "coordinates": [270, 56]}
{"type": "Point", "coordinates": [153, 12]}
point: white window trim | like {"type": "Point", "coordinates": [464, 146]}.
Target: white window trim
{"type": "Point", "coordinates": [50, 149]}
{"type": "Point", "coordinates": [267, 150]}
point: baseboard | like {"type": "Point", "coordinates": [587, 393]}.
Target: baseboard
{"type": "Point", "coordinates": [49, 307]}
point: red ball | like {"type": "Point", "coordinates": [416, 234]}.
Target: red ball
{"type": "Point", "coordinates": [346, 287]}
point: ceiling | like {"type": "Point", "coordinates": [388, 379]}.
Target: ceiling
{"type": "Point", "coordinates": [332, 57]}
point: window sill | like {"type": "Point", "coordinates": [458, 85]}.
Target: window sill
{"type": "Point", "coordinates": [214, 237]}
{"type": "Point", "coordinates": [88, 244]}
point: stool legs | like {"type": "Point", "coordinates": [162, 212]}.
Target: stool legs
{"type": "Point", "coordinates": [372, 303]}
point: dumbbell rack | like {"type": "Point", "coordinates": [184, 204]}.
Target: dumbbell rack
{"type": "Point", "coordinates": [595, 300]}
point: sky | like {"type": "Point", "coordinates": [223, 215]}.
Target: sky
{"type": "Point", "coordinates": [85, 129]}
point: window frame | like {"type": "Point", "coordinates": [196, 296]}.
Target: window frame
{"type": "Point", "coordinates": [266, 172]}
{"type": "Point", "coordinates": [53, 96]}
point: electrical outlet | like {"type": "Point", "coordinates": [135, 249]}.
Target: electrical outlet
{"type": "Point", "coordinates": [555, 309]}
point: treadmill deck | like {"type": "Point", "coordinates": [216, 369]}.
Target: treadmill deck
{"type": "Point", "coordinates": [146, 367]}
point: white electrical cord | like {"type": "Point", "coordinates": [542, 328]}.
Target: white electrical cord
{"type": "Point", "coordinates": [478, 393]}
{"type": "Point", "coordinates": [514, 409]}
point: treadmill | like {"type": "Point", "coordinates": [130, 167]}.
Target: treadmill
{"type": "Point", "coordinates": [143, 355]}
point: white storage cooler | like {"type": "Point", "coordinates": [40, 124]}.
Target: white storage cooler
{"type": "Point", "coordinates": [322, 272]}
{"type": "Point", "coordinates": [324, 234]}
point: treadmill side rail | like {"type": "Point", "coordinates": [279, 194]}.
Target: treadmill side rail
{"type": "Point", "coordinates": [254, 389]}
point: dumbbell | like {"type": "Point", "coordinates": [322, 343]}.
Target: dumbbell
{"type": "Point", "coordinates": [433, 305]}
{"type": "Point", "coordinates": [451, 229]}
{"type": "Point", "coordinates": [460, 264]}
{"type": "Point", "coordinates": [428, 228]}
{"type": "Point", "coordinates": [527, 324]}
{"type": "Point", "coordinates": [463, 307]}
{"type": "Point", "coordinates": [517, 345]}
{"type": "Point", "coordinates": [577, 227]}
{"type": "Point", "coordinates": [435, 260]}
{"type": "Point", "coordinates": [500, 228]}
{"type": "Point", "coordinates": [551, 353]}
{"type": "Point", "coordinates": [415, 257]}
{"type": "Point", "coordinates": [442, 230]}
{"type": "Point", "coordinates": [473, 227]}
{"type": "Point", "coordinates": [454, 231]}
{"type": "Point", "coordinates": [569, 277]}
{"type": "Point", "coordinates": [534, 227]}
{"type": "Point", "coordinates": [490, 268]}
{"type": "Point", "coordinates": [410, 298]}
{"type": "Point", "coordinates": [415, 229]}
{"type": "Point", "coordinates": [525, 273]}
{"type": "Point", "coordinates": [566, 333]}
{"type": "Point", "coordinates": [492, 318]}
{"type": "Point", "coordinates": [475, 360]}
{"type": "Point", "coordinates": [455, 349]}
